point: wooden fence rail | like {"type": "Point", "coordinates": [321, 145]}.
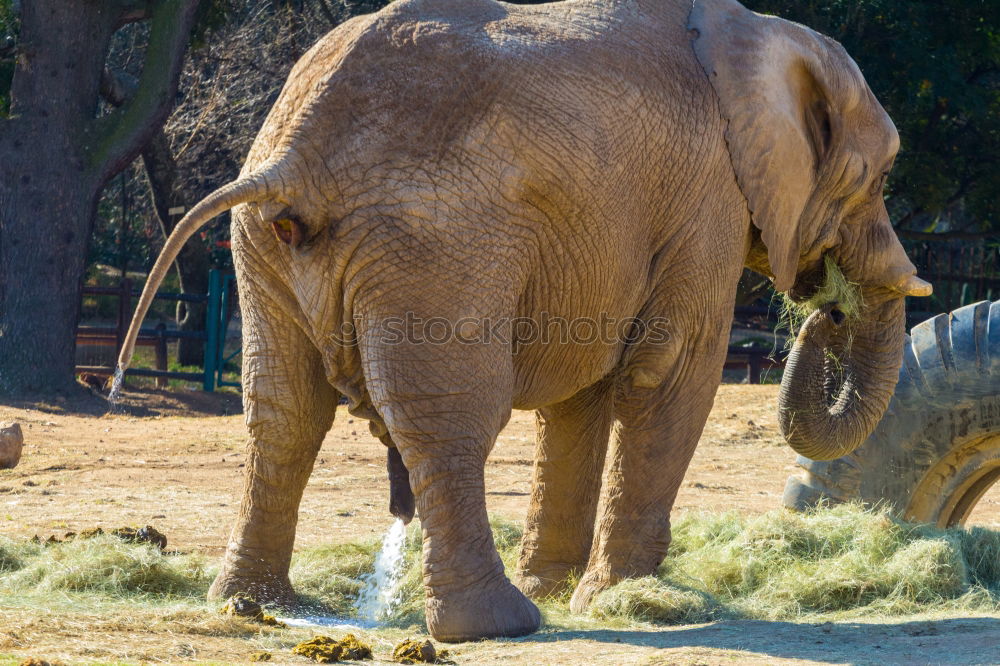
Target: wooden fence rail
{"type": "Point", "coordinates": [158, 336]}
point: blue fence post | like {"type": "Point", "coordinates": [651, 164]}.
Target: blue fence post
{"type": "Point", "coordinates": [212, 320]}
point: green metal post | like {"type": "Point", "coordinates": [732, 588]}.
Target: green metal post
{"type": "Point", "coordinates": [212, 319]}
{"type": "Point", "coordinates": [223, 321]}
{"type": "Point", "coordinates": [228, 290]}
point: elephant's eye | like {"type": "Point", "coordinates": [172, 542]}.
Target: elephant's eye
{"type": "Point", "coordinates": [879, 185]}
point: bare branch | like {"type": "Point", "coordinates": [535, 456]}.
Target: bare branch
{"type": "Point", "coordinates": [327, 13]}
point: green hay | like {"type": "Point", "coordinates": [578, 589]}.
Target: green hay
{"type": "Point", "coordinates": [982, 556]}
{"type": "Point", "coordinates": [103, 564]}
{"type": "Point", "coordinates": [836, 288]}
{"type": "Point", "coordinates": [330, 576]}
{"type": "Point", "coordinates": [14, 554]}
{"type": "Point", "coordinates": [843, 561]}
{"type": "Point", "coordinates": [831, 563]}
{"type": "Point", "coordinates": [653, 600]}
{"type": "Point", "coordinates": [839, 562]}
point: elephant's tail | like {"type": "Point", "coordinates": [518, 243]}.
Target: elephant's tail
{"type": "Point", "coordinates": [259, 186]}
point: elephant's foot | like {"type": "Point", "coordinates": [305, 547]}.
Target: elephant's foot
{"type": "Point", "coordinates": [474, 613]}
{"type": "Point", "coordinates": [264, 589]}
{"type": "Point", "coordinates": [538, 581]}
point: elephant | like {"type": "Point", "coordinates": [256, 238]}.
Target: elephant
{"type": "Point", "coordinates": [477, 166]}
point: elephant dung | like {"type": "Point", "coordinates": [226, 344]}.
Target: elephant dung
{"type": "Point", "coordinates": [411, 652]}
{"type": "Point", "coordinates": [147, 534]}
{"type": "Point", "coordinates": [327, 650]}
{"type": "Point", "coordinates": [11, 443]}
{"type": "Point", "coordinates": [241, 605]}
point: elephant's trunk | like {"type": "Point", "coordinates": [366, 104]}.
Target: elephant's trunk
{"type": "Point", "coordinates": [258, 186]}
{"type": "Point", "coordinates": [819, 420]}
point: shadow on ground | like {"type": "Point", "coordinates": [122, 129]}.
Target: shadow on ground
{"type": "Point", "coordinates": [971, 640]}
{"type": "Point", "coordinates": [139, 402]}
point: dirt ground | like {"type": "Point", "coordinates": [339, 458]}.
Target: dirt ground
{"type": "Point", "coordinates": [174, 460]}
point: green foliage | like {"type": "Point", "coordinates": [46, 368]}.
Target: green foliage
{"type": "Point", "coordinates": [935, 67]}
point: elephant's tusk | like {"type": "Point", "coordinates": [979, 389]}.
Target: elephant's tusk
{"type": "Point", "coordinates": [911, 285]}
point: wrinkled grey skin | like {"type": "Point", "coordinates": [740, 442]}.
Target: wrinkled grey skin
{"type": "Point", "coordinates": [478, 161]}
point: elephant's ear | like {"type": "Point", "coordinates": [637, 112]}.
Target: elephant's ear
{"type": "Point", "coordinates": [782, 94]}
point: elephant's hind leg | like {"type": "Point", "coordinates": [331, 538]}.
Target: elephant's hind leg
{"type": "Point", "coordinates": [444, 404]}
{"type": "Point", "coordinates": [572, 440]}
{"type": "Point", "coordinates": [655, 435]}
{"type": "Point", "coordinates": [289, 408]}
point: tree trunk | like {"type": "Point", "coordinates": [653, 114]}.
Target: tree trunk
{"type": "Point", "coordinates": [193, 262]}
{"type": "Point", "coordinates": [45, 223]}
{"type": "Point", "coordinates": [48, 192]}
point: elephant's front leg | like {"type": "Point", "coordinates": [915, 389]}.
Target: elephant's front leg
{"type": "Point", "coordinates": [289, 408]}
{"type": "Point", "coordinates": [569, 461]}
{"type": "Point", "coordinates": [654, 438]}
{"type": "Point", "coordinates": [444, 404]}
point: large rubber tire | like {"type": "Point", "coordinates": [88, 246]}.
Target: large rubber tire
{"type": "Point", "coordinates": [936, 450]}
